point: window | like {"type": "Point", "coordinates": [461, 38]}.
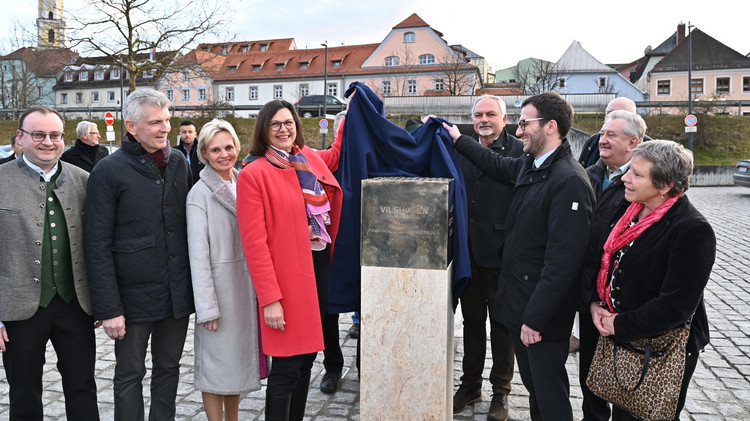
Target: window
{"type": "Point", "coordinates": [229, 93]}
{"type": "Point", "coordinates": [224, 50]}
{"type": "Point", "coordinates": [561, 82]}
{"type": "Point", "coordinates": [745, 84]}
{"type": "Point", "coordinates": [439, 84]}
{"type": "Point", "coordinates": [111, 96]}
{"type": "Point", "coordinates": [280, 66]}
{"type": "Point", "coordinates": [51, 35]}
{"type": "Point", "coordinates": [304, 89]}
{"type": "Point", "coordinates": [696, 87]}
{"type": "Point", "coordinates": [63, 98]}
{"type": "Point", "coordinates": [263, 47]}
{"type": "Point", "coordinates": [68, 76]}
{"type": "Point", "coordinates": [99, 75]}
{"type": "Point", "coordinates": [411, 87]}
{"type": "Point", "coordinates": [253, 92]}
{"type": "Point", "coordinates": [185, 75]}
{"type": "Point", "coordinates": [278, 92]}
{"type": "Point", "coordinates": [257, 67]}
{"type": "Point", "coordinates": [304, 65]}
{"type": "Point", "coordinates": [333, 89]}
{"type": "Point", "coordinates": [79, 97]}
{"type": "Point", "coordinates": [95, 97]}
{"type": "Point", "coordinates": [115, 73]}
{"type": "Point", "coordinates": [602, 81]}
{"type": "Point", "coordinates": [170, 94]}
{"type": "Point", "coordinates": [664, 87]}
{"type": "Point", "coordinates": [185, 94]}
{"type": "Point", "coordinates": [206, 49]}
{"type": "Point", "coordinates": [385, 86]}
{"type": "Point", "coordinates": [83, 76]}
{"type": "Point", "coordinates": [426, 59]}
{"type": "Point", "coordinates": [232, 69]}
{"type": "Point", "coordinates": [40, 91]}
{"type": "Point", "coordinates": [409, 37]}
{"type": "Point", "coordinates": [148, 74]}
{"type": "Point", "coordinates": [391, 61]}
{"type": "Point", "coordinates": [245, 48]}
{"type": "Point", "coordinates": [201, 94]}
{"type": "Point", "coordinates": [722, 85]}
{"type": "Point", "coordinates": [336, 63]}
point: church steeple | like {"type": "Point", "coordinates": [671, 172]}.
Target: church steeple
{"type": "Point", "coordinates": [50, 24]}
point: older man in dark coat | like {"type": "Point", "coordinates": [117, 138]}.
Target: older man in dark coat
{"type": "Point", "coordinates": [87, 151]}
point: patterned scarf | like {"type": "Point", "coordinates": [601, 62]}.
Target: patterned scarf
{"type": "Point", "coordinates": [622, 235]}
{"type": "Point", "coordinates": [316, 199]}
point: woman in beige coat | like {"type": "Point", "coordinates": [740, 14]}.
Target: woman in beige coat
{"type": "Point", "coordinates": [227, 358]}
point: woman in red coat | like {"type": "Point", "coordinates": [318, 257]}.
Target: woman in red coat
{"type": "Point", "coordinates": [288, 207]}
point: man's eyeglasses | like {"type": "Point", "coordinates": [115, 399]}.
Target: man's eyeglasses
{"type": "Point", "coordinates": [523, 123]}
{"type": "Point", "coordinates": [38, 136]}
{"type": "Point", "coordinates": [276, 125]}
{"type": "Point", "coordinates": [96, 133]}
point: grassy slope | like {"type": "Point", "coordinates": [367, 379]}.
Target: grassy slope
{"type": "Point", "coordinates": [720, 140]}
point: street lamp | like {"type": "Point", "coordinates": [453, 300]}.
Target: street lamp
{"type": "Point", "coordinates": [325, 88]}
{"type": "Point", "coordinates": [690, 82]}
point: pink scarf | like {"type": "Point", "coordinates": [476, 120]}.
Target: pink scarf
{"type": "Point", "coordinates": [623, 234]}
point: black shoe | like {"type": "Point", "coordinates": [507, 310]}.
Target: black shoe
{"type": "Point", "coordinates": [354, 331]}
{"type": "Point", "coordinates": [330, 382]}
{"type": "Point", "coordinates": [277, 409]}
{"type": "Point", "coordinates": [464, 397]}
{"type": "Point", "coordinates": [498, 408]}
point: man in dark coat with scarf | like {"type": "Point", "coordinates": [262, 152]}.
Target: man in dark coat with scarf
{"type": "Point", "coordinates": [87, 151]}
{"type": "Point", "coordinates": [545, 245]}
{"type": "Point", "coordinates": [137, 256]}
{"type": "Point", "coordinates": [188, 145]}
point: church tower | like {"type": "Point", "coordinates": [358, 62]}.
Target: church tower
{"type": "Point", "coordinates": [50, 24]}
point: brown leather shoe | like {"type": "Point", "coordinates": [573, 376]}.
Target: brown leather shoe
{"type": "Point", "coordinates": [464, 397]}
{"type": "Point", "coordinates": [498, 408]}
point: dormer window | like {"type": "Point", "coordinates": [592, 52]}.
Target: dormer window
{"type": "Point", "coordinates": [264, 47]}
{"type": "Point", "coordinates": [99, 75]}
{"type": "Point", "coordinates": [224, 50]}
{"type": "Point", "coordinates": [83, 76]}
{"type": "Point", "coordinates": [68, 76]}
{"type": "Point", "coordinates": [257, 67]}
{"type": "Point", "coordinates": [245, 48]}
{"type": "Point", "coordinates": [391, 61]}
{"type": "Point", "coordinates": [336, 63]}
{"type": "Point", "coordinates": [114, 73]}
{"type": "Point", "coordinates": [304, 65]}
{"type": "Point", "coordinates": [409, 37]}
{"type": "Point", "coordinates": [280, 66]}
{"type": "Point", "coordinates": [206, 49]}
{"type": "Point", "coordinates": [148, 74]}
{"type": "Point", "coordinates": [232, 69]}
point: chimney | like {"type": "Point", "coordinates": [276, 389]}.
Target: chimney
{"type": "Point", "coordinates": [680, 32]}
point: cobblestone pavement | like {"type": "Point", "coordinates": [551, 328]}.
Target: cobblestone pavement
{"type": "Point", "coordinates": [720, 389]}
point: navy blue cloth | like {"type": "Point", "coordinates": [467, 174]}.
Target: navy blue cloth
{"type": "Point", "coordinates": [375, 147]}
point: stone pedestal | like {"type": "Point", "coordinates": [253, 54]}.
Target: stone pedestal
{"type": "Point", "coordinates": [407, 316]}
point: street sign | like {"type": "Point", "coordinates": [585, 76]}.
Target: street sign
{"type": "Point", "coordinates": [109, 118]}
{"type": "Point", "coordinates": [691, 129]}
{"type": "Point", "coordinates": [110, 133]}
{"type": "Point", "coordinates": [691, 120]}
{"type": "Point", "coordinates": [323, 124]}
{"type": "Point", "coordinates": [324, 131]}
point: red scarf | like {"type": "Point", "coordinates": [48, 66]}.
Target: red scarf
{"type": "Point", "coordinates": [623, 234]}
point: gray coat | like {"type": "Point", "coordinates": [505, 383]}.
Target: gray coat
{"type": "Point", "coordinates": [226, 361]}
{"type": "Point", "coordinates": [22, 206]}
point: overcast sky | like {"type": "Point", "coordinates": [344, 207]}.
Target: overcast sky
{"type": "Point", "coordinates": [503, 32]}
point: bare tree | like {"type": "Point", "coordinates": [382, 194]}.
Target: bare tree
{"type": "Point", "coordinates": [401, 73]}
{"type": "Point", "coordinates": [537, 77]}
{"type": "Point", "coordinates": [456, 78]}
{"type": "Point", "coordinates": [19, 85]}
{"type": "Point", "coordinates": [126, 30]}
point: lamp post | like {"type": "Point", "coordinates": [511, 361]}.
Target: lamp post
{"type": "Point", "coordinates": [690, 82]}
{"type": "Point", "coordinates": [122, 99]}
{"type": "Point", "coordinates": [325, 88]}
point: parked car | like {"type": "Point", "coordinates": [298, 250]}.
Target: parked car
{"type": "Point", "coordinates": [248, 159]}
{"type": "Point", "coordinates": [312, 105]}
{"type": "Point", "coordinates": [742, 173]}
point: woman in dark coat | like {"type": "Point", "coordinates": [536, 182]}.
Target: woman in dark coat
{"type": "Point", "coordinates": [657, 259]}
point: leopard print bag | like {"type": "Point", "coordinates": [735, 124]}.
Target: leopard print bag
{"type": "Point", "coordinates": [643, 376]}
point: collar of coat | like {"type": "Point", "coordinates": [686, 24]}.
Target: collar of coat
{"type": "Point", "coordinates": [219, 189]}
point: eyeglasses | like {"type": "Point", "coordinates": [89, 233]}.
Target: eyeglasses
{"type": "Point", "coordinates": [276, 125]}
{"type": "Point", "coordinates": [38, 136]}
{"type": "Point", "coordinates": [523, 123]}
{"type": "Point", "coordinates": [96, 133]}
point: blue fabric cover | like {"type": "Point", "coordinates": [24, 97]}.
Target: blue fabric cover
{"type": "Point", "coordinates": [375, 147]}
